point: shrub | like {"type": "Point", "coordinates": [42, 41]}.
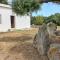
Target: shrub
{"type": "Point", "coordinates": [37, 20]}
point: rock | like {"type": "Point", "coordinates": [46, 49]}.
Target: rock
{"type": "Point", "coordinates": [54, 39]}
{"type": "Point", "coordinates": [51, 28]}
{"type": "Point", "coordinates": [57, 33]}
{"type": "Point", "coordinates": [41, 40]}
{"type": "Point", "coordinates": [46, 41]}
{"type": "Point", "coordinates": [54, 52]}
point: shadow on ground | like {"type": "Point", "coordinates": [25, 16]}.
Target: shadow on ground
{"type": "Point", "coordinates": [15, 39]}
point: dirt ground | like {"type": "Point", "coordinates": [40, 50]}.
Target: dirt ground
{"type": "Point", "coordinates": [18, 46]}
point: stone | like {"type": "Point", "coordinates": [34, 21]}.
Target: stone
{"type": "Point", "coordinates": [54, 52]}
{"type": "Point", "coordinates": [41, 40]}
{"type": "Point", "coordinates": [51, 28]}
{"type": "Point", "coordinates": [57, 33]}
{"type": "Point", "coordinates": [47, 42]}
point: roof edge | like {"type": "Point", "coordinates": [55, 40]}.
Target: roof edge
{"type": "Point", "coordinates": [6, 6]}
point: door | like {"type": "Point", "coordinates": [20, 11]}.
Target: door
{"type": "Point", "coordinates": [12, 22]}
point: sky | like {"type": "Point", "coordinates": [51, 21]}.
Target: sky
{"type": "Point", "coordinates": [47, 9]}
{"type": "Point", "coordinates": [9, 1]}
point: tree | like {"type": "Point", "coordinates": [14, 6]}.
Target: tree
{"type": "Point", "coordinates": [57, 18]}
{"type": "Point", "coordinates": [3, 1]}
{"type": "Point", "coordinates": [38, 20]}
{"type": "Point", "coordinates": [55, 0]}
{"type": "Point", "coordinates": [22, 7]}
{"type": "Point", "coordinates": [53, 18]}
{"type": "Point", "coordinates": [44, 1]}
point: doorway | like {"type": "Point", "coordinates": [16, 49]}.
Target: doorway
{"type": "Point", "coordinates": [12, 22]}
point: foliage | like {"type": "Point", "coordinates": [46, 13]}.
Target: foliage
{"type": "Point", "coordinates": [22, 7]}
{"type": "Point", "coordinates": [55, 0]}
{"type": "Point", "coordinates": [53, 18]}
{"type": "Point", "coordinates": [4, 1]}
{"type": "Point", "coordinates": [39, 20]}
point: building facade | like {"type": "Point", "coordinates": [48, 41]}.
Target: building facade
{"type": "Point", "coordinates": [9, 19]}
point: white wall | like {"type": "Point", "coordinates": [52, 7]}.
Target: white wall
{"type": "Point", "coordinates": [5, 19]}
{"type": "Point", "coordinates": [20, 21]}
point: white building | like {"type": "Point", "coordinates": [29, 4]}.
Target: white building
{"type": "Point", "coordinates": [9, 20]}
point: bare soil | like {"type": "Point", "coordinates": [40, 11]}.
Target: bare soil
{"type": "Point", "coordinates": [18, 46]}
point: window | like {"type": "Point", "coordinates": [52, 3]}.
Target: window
{"type": "Point", "coordinates": [0, 19]}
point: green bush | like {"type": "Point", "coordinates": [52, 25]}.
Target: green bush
{"type": "Point", "coordinates": [53, 18]}
{"type": "Point", "coordinates": [37, 20]}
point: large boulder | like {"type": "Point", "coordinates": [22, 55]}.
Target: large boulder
{"type": "Point", "coordinates": [47, 42]}
{"type": "Point", "coordinates": [54, 39]}
{"type": "Point", "coordinates": [41, 40]}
